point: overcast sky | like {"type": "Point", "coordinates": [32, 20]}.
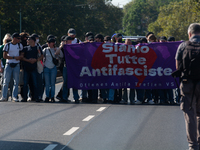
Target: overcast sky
{"type": "Point", "coordinates": [120, 2]}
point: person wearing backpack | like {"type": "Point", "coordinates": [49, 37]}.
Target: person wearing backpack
{"type": "Point", "coordinates": [30, 68]}
{"type": "Point", "coordinates": [11, 53]}
{"type": "Point", "coordinates": [187, 64]}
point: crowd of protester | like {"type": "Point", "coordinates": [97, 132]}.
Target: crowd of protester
{"type": "Point", "coordinates": [31, 68]}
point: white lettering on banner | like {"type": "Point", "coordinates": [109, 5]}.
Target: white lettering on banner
{"type": "Point", "coordinates": [124, 84]}
{"type": "Point", "coordinates": [108, 48]}
{"type": "Point", "coordinates": [128, 59]}
{"type": "Point", "coordinates": [113, 70]}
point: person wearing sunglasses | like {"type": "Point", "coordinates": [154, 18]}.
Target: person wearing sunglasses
{"type": "Point", "coordinates": [11, 53]}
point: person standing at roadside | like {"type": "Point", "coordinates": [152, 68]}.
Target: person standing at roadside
{"type": "Point", "coordinates": [6, 39]}
{"type": "Point", "coordinates": [60, 52]}
{"type": "Point", "coordinates": [50, 70]}
{"type": "Point", "coordinates": [11, 53]}
{"type": "Point", "coordinates": [190, 89]}
{"type": "Point", "coordinates": [72, 34]}
{"type": "Point", "coordinates": [30, 67]}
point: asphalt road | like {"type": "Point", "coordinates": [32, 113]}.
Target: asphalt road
{"type": "Point", "coordinates": [55, 126]}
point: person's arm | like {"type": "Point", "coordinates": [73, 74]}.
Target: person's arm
{"type": "Point", "coordinates": [1, 70]}
{"type": "Point", "coordinates": [177, 62]}
{"type": "Point", "coordinates": [40, 53]}
{"type": "Point", "coordinates": [60, 47]}
{"type": "Point", "coordinates": [1, 56]}
{"type": "Point", "coordinates": [5, 56]}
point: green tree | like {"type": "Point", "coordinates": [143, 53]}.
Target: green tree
{"type": "Point", "coordinates": [138, 14]}
{"type": "Point", "coordinates": [55, 17]}
{"type": "Point", "coordinates": [174, 19]}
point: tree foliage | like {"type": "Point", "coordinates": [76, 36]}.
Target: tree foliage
{"type": "Point", "coordinates": [138, 14]}
{"type": "Point", "coordinates": [55, 17]}
{"type": "Point", "coordinates": [174, 19]}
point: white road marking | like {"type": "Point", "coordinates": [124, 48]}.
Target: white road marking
{"type": "Point", "coordinates": [101, 108]}
{"type": "Point", "coordinates": [71, 131]}
{"type": "Point", "coordinates": [51, 147]}
{"type": "Point", "coordinates": [88, 118]}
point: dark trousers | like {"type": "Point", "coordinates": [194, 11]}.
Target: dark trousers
{"type": "Point", "coordinates": [27, 76]}
{"type": "Point", "coordinates": [192, 117]}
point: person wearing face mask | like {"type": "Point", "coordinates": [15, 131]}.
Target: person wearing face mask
{"type": "Point", "coordinates": [39, 73]}
{"type": "Point", "coordinates": [37, 39]}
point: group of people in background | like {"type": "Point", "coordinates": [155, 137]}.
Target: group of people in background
{"type": "Point", "coordinates": [31, 68]}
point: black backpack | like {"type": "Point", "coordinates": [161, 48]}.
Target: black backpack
{"type": "Point", "coordinates": [190, 64]}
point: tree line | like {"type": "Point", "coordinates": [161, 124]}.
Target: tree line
{"type": "Point", "coordinates": [55, 17]}
{"type": "Point", "coordinates": [163, 17]}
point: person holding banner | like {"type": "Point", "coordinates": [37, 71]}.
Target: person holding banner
{"type": "Point", "coordinates": [165, 94]}
{"type": "Point", "coordinates": [71, 36]}
{"type": "Point", "coordinates": [60, 52]}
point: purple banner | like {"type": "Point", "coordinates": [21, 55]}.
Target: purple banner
{"type": "Point", "coordinates": [115, 66]}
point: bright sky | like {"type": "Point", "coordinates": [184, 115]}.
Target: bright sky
{"type": "Point", "coordinates": [120, 3]}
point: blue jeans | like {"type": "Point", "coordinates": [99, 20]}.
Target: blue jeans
{"type": "Point", "coordinates": [33, 75]}
{"type": "Point", "coordinates": [111, 94]}
{"type": "Point", "coordinates": [8, 72]}
{"type": "Point", "coordinates": [50, 81]}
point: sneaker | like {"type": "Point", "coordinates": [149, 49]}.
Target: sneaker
{"type": "Point", "coordinates": [151, 102]}
{"type": "Point", "coordinates": [137, 102]}
{"type": "Point", "coordinates": [15, 100]}
{"type": "Point", "coordinates": [3, 100]}
{"type": "Point", "coordinates": [29, 99]}
{"type": "Point", "coordinates": [123, 102]}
